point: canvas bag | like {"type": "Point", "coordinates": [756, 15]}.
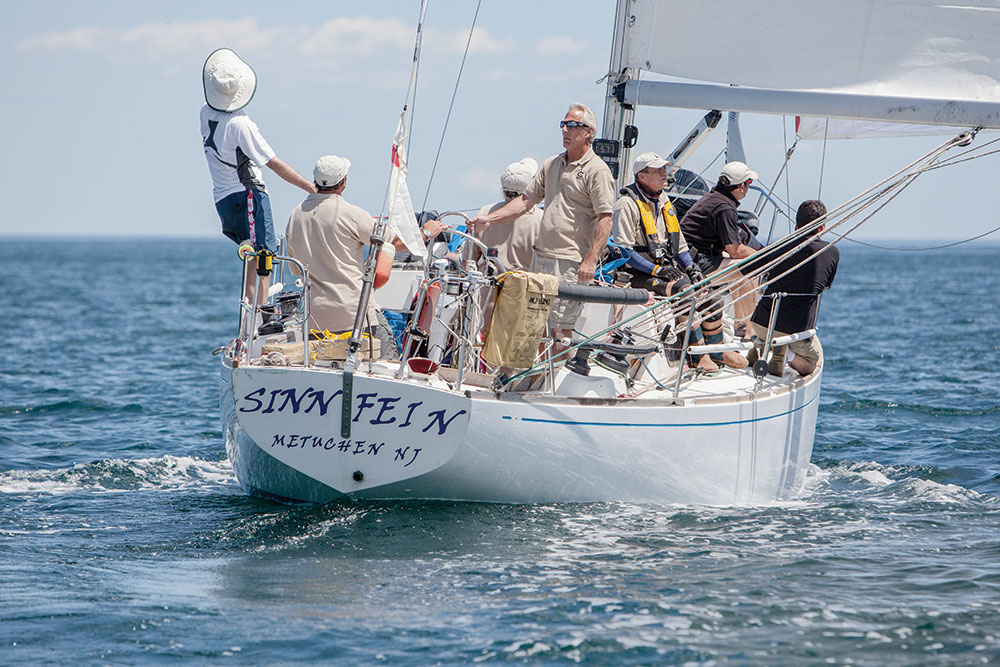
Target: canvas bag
{"type": "Point", "coordinates": [520, 312]}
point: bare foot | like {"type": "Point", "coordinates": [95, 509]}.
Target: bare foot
{"type": "Point", "coordinates": [706, 364]}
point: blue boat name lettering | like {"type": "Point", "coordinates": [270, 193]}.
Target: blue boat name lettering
{"type": "Point", "coordinates": [293, 399]}
{"type": "Point", "coordinates": [401, 453]}
{"type": "Point", "coordinates": [380, 409]}
{"type": "Point", "coordinates": [347, 446]}
{"type": "Point", "coordinates": [438, 416]}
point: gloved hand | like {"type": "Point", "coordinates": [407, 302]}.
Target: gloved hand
{"type": "Point", "coordinates": [667, 273]}
{"type": "Point", "coordinates": [694, 273]}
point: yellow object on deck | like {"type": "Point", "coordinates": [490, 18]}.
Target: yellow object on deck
{"type": "Point", "coordinates": [519, 316]}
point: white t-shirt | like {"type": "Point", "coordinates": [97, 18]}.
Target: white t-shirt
{"type": "Point", "coordinates": [235, 151]}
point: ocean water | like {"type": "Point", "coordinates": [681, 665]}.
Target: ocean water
{"type": "Point", "coordinates": [124, 537]}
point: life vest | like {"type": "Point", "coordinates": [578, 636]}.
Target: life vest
{"type": "Point", "coordinates": [657, 249]}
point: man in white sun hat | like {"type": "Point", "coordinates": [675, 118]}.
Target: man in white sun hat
{"type": "Point", "coordinates": [236, 151]}
{"type": "Point", "coordinates": [712, 227]}
{"type": "Point", "coordinates": [514, 241]}
{"type": "Point", "coordinates": [329, 234]}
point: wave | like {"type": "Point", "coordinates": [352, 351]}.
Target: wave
{"type": "Point", "coordinates": [887, 483]}
{"type": "Point", "coordinates": [868, 404]}
{"type": "Point", "coordinates": [117, 475]}
{"type": "Point", "coordinates": [70, 406]}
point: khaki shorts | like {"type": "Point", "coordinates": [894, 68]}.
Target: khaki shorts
{"type": "Point", "coordinates": [564, 314]}
{"type": "Point", "coordinates": [809, 349]}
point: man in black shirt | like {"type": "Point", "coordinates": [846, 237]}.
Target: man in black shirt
{"type": "Point", "coordinates": [802, 287]}
{"type": "Point", "coordinates": [712, 226]}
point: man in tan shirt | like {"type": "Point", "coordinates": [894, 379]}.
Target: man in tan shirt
{"type": "Point", "coordinates": [579, 194]}
{"type": "Point", "coordinates": [514, 242]}
{"type": "Point", "coordinates": [328, 234]}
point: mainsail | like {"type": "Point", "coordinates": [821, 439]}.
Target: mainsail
{"type": "Point", "coordinates": [917, 61]}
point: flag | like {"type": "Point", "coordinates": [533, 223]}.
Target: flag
{"type": "Point", "coordinates": [402, 219]}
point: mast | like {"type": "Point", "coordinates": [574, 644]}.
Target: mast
{"type": "Point", "coordinates": [617, 132]}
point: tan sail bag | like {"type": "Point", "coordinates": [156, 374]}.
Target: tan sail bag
{"type": "Point", "coordinates": [520, 312]}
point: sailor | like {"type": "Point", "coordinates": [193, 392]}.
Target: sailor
{"type": "Point", "coordinates": [645, 224]}
{"type": "Point", "coordinates": [235, 151]}
{"type": "Point", "coordinates": [712, 226]}
{"type": "Point", "coordinates": [514, 242]}
{"type": "Point", "coordinates": [329, 234]}
{"type": "Point", "coordinates": [579, 195]}
{"type": "Point", "coordinates": [802, 288]}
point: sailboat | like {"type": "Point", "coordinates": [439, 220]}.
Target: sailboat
{"type": "Point", "coordinates": [615, 417]}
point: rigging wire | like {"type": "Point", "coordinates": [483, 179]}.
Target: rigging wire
{"type": "Point", "coordinates": [454, 94]}
{"type": "Point", "coordinates": [822, 162]}
{"type": "Point", "coordinates": [937, 247]}
{"type": "Point", "coordinates": [788, 174]}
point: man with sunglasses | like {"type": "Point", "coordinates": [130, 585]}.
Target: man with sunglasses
{"type": "Point", "coordinates": [712, 226]}
{"type": "Point", "coordinates": [579, 194]}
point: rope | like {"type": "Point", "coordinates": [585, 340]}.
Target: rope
{"type": "Point", "coordinates": [454, 94]}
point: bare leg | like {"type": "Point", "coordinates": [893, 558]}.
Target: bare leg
{"type": "Point", "coordinates": [744, 300]}
{"type": "Point", "coordinates": [557, 347]}
{"type": "Point", "coordinates": [250, 280]}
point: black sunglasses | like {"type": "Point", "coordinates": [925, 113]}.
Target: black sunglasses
{"type": "Point", "coordinates": [572, 123]}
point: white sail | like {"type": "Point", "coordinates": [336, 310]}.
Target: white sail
{"type": "Point", "coordinates": [401, 216]}
{"type": "Point", "coordinates": [811, 127]}
{"type": "Point", "coordinates": [941, 61]}
{"type": "Point", "coordinates": [916, 48]}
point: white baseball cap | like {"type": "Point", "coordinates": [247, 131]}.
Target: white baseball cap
{"type": "Point", "coordinates": [330, 170]}
{"type": "Point", "coordinates": [737, 173]}
{"type": "Point", "coordinates": [517, 176]}
{"type": "Point", "coordinates": [229, 82]}
{"type": "Point", "coordinates": [648, 160]}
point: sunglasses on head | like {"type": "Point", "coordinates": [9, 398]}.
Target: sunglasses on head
{"type": "Point", "coordinates": [572, 123]}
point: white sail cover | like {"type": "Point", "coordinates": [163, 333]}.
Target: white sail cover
{"type": "Point", "coordinates": [905, 48]}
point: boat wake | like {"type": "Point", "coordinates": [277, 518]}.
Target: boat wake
{"type": "Point", "coordinates": [165, 473]}
{"type": "Point", "coordinates": [874, 482]}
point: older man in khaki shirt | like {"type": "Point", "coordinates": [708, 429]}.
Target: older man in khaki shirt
{"type": "Point", "coordinates": [579, 194]}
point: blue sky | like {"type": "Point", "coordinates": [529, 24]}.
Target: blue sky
{"type": "Point", "coordinates": [99, 112]}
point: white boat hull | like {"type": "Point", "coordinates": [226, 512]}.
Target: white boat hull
{"type": "Point", "coordinates": [738, 449]}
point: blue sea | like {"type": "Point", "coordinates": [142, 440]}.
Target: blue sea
{"type": "Point", "coordinates": [125, 538]}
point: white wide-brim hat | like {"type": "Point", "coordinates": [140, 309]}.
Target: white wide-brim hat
{"type": "Point", "coordinates": [229, 82]}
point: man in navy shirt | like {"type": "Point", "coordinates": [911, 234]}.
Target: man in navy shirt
{"type": "Point", "coordinates": [712, 226]}
{"type": "Point", "coordinates": [802, 287]}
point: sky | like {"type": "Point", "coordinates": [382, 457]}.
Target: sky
{"type": "Point", "coordinates": [99, 113]}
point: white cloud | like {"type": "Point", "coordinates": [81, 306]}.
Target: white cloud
{"type": "Point", "coordinates": [451, 41]}
{"type": "Point", "coordinates": [555, 45]}
{"type": "Point", "coordinates": [349, 37]}
{"type": "Point", "coordinates": [155, 41]}
{"type": "Point", "coordinates": [345, 38]}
